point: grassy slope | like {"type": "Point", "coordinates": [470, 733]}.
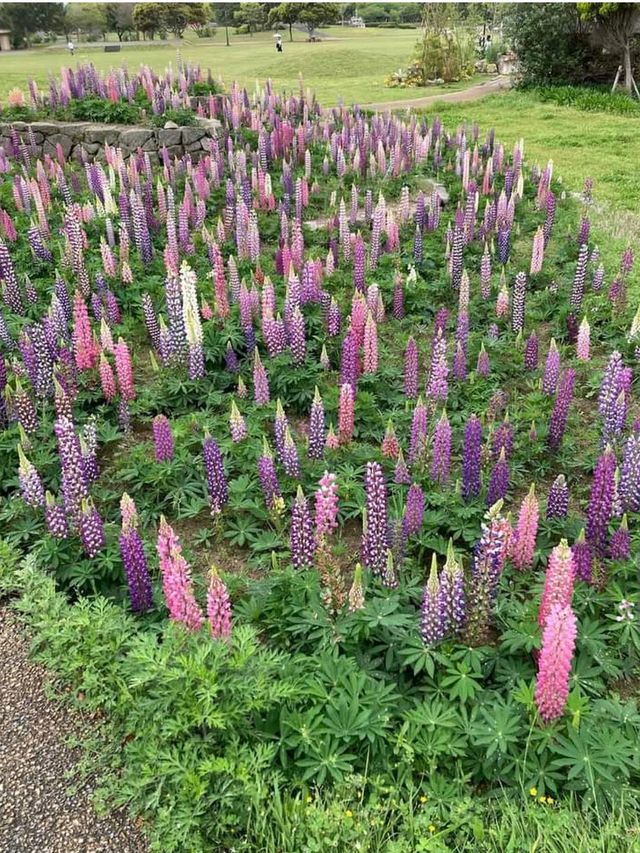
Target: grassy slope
{"type": "Point", "coordinates": [351, 66]}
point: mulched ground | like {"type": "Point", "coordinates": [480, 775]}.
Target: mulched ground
{"type": "Point", "coordinates": [38, 814]}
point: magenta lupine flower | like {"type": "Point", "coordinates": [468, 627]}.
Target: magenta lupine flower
{"type": "Point", "coordinates": [176, 579]}
{"type": "Point", "coordinates": [317, 432]}
{"type": "Point", "coordinates": [375, 528]}
{"type": "Point", "coordinates": [390, 445]}
{"type": "Point", "coordinates": [531, 352]}
{"type": "Point", "coordinates": [216, 477]}
{"type": "Point", "coordinates": [297, 339]}
{"type": "Point", "coordinates": [577, 290]}
{"type": "Point", "coordinates": [558, 499]}
{"type": "Point", "coordinates": [268, 477]}
{"type": "Point", "coordinates": [74, 485]}
{"type": "Point", "coordinates": [437, 388]}
{"type": "Point", "coordinates": [630, 474]}
{"type": "Point", "coordinates": [554, 663]}
{"type": "Point", "coordinates": [600, 509]}
{"type": "Point", "coordinates": [346, 414]}
{"type": "Point", "coordinates": [411, 369]}
{"type": "Point", "coordinates": [584, 340]}
{"type": "Point", "coordinates": [334, 319]}
{"type": "Point", "coordinates": [326, 506]}
{"type": "Point", "coordinates": [124, 370]}
{"type": "Point", "coordinates": [91, 529]}
{"type": "Point", "coordinates": [162, 439]}
{"type": "Point", "coordinates": [237, 425]}
{"type": "Point", "coordinates": [483, 366]}
{"type": "Point", "coordinates": [560, 413]}
{"type": "Point", "coordinates": [414, 511]}
{"type": "Point", "coordinates": [55, 518]}
{"type": "Point", "coordinates": [431, 626]}
{"type": "Point", "coordinates": [370, 364]}
{"type": "Point", "coordinates": [523, 543]}
{"type": "Point", "coordinates": [499, 480]}
{"type": "Point", "coordinates": [290, 460]}
{"type": "Point", "coordinates": [418, 443]}
{"type": "Point", "coordinates": [441, 450]}
{"type": "Point", "coordinates": [551, 369]}
{"type": "Point", "coordinates": [517, 309]}
{"type": "Point", "coordinates": [302, 541]}
{"type": "Point", "coordinates": [260, 381]}
{"type": "Point", "coordinates": [30, 482]}
{"type": "Point", "coordinates": [401, 473]}
{"type": "Point", "coordinates": [558, 581]}
{"type": "Point", "coordinates": [218, 607]}
{"type": "Point", "coordinates": [107, 379]}
{"type": "Point", "coordinates": [134, 558]}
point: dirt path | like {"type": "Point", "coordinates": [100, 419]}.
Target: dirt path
{"type": "Point", "coordinates": [490, 87]}
{"type": "Point", "coordinates": [37, 814]}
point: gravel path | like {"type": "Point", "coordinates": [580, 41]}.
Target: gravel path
{"type": "Point", "coordinates": [490, 87]}
{"type": "Point", "coordinates": [37, 815]}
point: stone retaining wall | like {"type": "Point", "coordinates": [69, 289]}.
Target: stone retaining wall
{"type": "Point", "coordinates": [76, 137]}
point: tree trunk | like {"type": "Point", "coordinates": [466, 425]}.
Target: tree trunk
{"type": "Point", "coordinates": [628, 72]}
{"type": "Point", "coordinates": [226, 32]}
{"type": "Point", "coordinates": [119, 36]}
{"type": "Point", "coordinates": [290, 32]}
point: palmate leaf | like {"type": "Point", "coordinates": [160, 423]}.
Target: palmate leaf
{"type": "Point", "coordinates": [591, 755]}
{"type": "Point", "coordinates": [499, 729]}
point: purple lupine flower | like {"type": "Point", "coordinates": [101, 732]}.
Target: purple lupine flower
{"type": "Point", "coordinates": [237, 425]}
{"type": "Point", "coordinates": [317, 430]}
{"type": "Point", "coordinates": [398, 297]}
{"type": "Point", "coordinates": [411, 369]}
{"type": "Point", "coordinates": [441, 453]}
{"type": "Point", "coordinates": [91, 529]}
{"type": "Point", "coordinates": [25, 410]}
{"type": "Point", "coordinates": [280, 427]}
{"type": "Point", "coordinates": [558, 499]}
{"type": "Point", "coordinates": [302, 541]}
{"type": "Point", "coordinates": [260, 381]}
{"type": "Point", "coordinates": [151, 321]}
{"type": "Point", "coordinates": [531, 352]}
{"type": "Point", "coordinates": [414, 511]}
{"type": "Point", "coordinates": [620, 544]}
{"type": "Point", "coordinates": [55, 518]}
{"type": "Point", "coordinates": [502, 439]}
{"type": "Point", "coordinates": [451, 598]}
{"type": "Point", "coordinates": [134, 560]}
{"type": "Point", "coordinates": [577, 290]}
{"type": "Point", "coordinates": [30, 482]}
{"type": "Point", "coordinates": [517, 308]}
{"type": "Point", "coordinates": [630, 474]}
{"type": "Point", "coordinates": [558, 422]}
{"type": "Point", "coordinates": [551, 369]}
{"type": "Point", "coordinates": [499, 480]}
{"type": "Point", "coordinates": [572, 328]}
{"type": "Point", "coordinates": [334, 319]}
{"type": "Point", "coordinates": [488, 561]}
{"type": "Point", "coordinates": [401, 474]}
{"type": "Point", "coordinates": [375, 528]}
{"type": "Point", "coordinates": [419, 424]}
{"type": "Point", "coordinates": [162, 439]}
{"type": "Point", "coordinates": [74, 484]}
{"type": "Point", "coordinates": [483, 366]}
{"type": "Point", "coordinates": [582, 559]}
{"type": "Point", "coordinates": [290, 460]}
{"type": "Point", "coordinates": [504, 242]}
{"type": "Point", "coordinates": [349, 361]}
{"type": "Point", "coordinates": [600, 509]}
{"type": "Point", "coordinates": [431, 623]}
{"type": "Point", "coordinates": [598, 278]}
{"type": "Point", "coordinates": [297, 339]}
{"type": "Point", "coordinates": [216, 477]}
{"type": "Point", "coordinates": [268, 476]}
{"type": "Point", "coordinates": [471, 458]}
{"type": "Point", "coordinates": [231, 359]}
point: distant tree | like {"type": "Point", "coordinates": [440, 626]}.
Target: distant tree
{"type": "Point", "coordinates": [149, 18]}
{"type": "Point", "coordinates": [314, 15]}
{"type": "Point", "coordinates": [25, 19]}
{"type": "Point", "coordinates": [119, 18]}
{"type": "Point", "coordinates": [285, 13]}
{"type": "Point", "coordinates": [373, 13]}
{"type": "Point", "coordinates": [614, 25]}
{"type": "Point", "coordinates": [224, 15]}
{"type": "Point", "coordinates": [250, 15]}
{"type": "Point", "coordinates": [87, 18]}
{"type": "Point", "coordinates": [178, 16]}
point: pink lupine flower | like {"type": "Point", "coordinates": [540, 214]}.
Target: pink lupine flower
{"type": "Point", "coordinates": [524, 541]}
{"type": "Point", "coordinates": [333, 442]}
{"type": "Point", "coordinates": [502, 302]}
{"type": "Point", "coordinates": [554, 663]}
{"type": "Point", "coordinates": [124, 370]}
{"type": "Point", "coordinates": [176, 579]}
{"type": "Point", "coordinates": [326, 506]}
{"type": "Point", "coordinates": [346, 415]}
{"type": "Point", "coordinates": [370, 345]}
{"type": "Point", "coordinates": [218, 606]}
{"type": "Point", "coordinates": [107, 379]}
{"type": "Point", "coordinates": [558, 581]}
{"type": "Point", "coordinates": [584, 340]}
{"type": "Point", "coordinates": [390, 445]}
{"type": "Point", "coordinates": [237, 424]}
{"type": "Point", "coordinates": [84, 349]}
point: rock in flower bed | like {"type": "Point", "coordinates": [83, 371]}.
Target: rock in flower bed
{"type": "Point", "coordinates": [408, 441]}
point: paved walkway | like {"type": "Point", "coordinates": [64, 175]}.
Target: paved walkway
{"type": "Point", "coordinates": [37, 814]}
{"type": "Point", "coordinates": [473, 93]}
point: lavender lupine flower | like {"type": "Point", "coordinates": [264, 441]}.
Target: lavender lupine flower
{"type": "Point", "coordinates": [30, 482]}
{"type": "Point", "coordinates": [577, 289]}
{"type": "Point", "coordinates": [317, 431]}
{"type": "Point", "coordinates": [162, 438]}
{"type": "Point", "coordinates": [471, 458]}
{"type": "Point", "coordinates": [531, 352]}
{"type": "Point", "coordinates": [441, 451]}
{"type": "Point", "coordinates": [517, 308]}
{"type": "Point", "coordinates": [630, 474]}
{"type": "Point", "coordinates": [91, 529]}
{"type": "Point", "coordinates": [74, 485]}
{"type": "Point", "coordinates": [302, 541]}
{"type": "Point", "coordinates": [483, 366]}
{"type": "Point", "coordinates": [451, 599]}
{"type": "Point", "coordinates": [600, 509]}
{"type": "Point", "coordinates": [558, 499]}
{"type": "Point", "coordinates": [55, 518]}
{"type": "Point", "coordinates": [216, 477]}
{"type": "Point", "coordinates": [620, 544]}
{"type": "Point", "coordinates": [134, 558]}
{"type": "Point", "coordinates": [414, 511]}
{"type": "Point", "coordinates": [551, 369]}
{"type": "Point", "coordinates": [431, 626]}
{"type": "Point", "coordinates": [411, 369]}
{"type": "Point", "coordinates": [268, 477]}
{"type": "Point", "coordinates": [375, 527]}
{"type": "Point", "coordinates": [558, 422]}
{"type": "Point", "coordinates": [499, 480]}
{"type": "Point", "coordinates": [612, 400]}
{"type": "Point", "coordinates": [290, 460]}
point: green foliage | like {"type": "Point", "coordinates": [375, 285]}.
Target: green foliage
{"type": "Point", "coordinates": [589, 99]}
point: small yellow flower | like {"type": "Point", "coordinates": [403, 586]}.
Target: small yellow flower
{"type": "Point", "coordinates": [423, 799]}
{"type": "Point", "coordinates": [542, 800]}
{"type": "Point", "coordinates": [550, 801]}
{"type": "Point", "coordinates": [349, 813]}
{"type": "Point", "coordinates": [309, 798]}
{"type": "Point", "coordinates": [431, 828]}
{"type": "Point", "coordinates": [533, 792]}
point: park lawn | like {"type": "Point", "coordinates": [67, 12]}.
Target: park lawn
{"type": "Point", "coordinates": [350, 66]}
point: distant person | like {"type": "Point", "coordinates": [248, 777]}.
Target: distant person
{"type": "Point", "coordinates": [71, 48]}
{"type": "Point", "coordinates": [278, 39]}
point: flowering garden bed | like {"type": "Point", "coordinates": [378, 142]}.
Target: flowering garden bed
{"type": "Point", "coordinates": [344, 511]}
